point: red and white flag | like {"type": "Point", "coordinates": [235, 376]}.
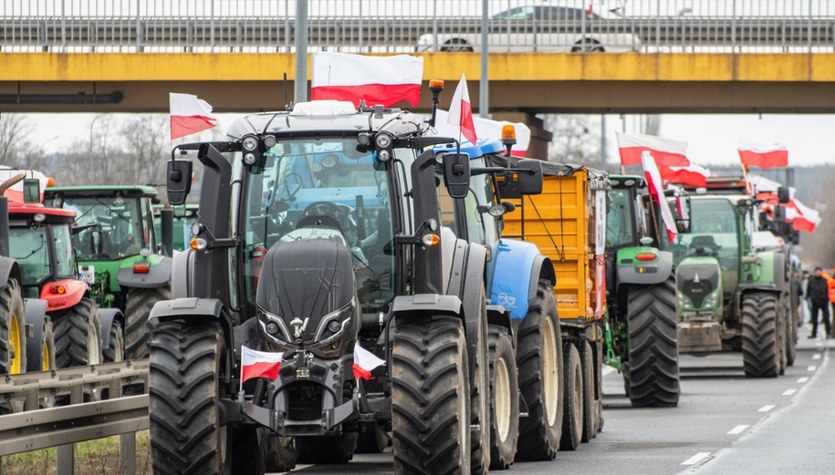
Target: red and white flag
{"type": "Point", "coordinates": [681, 208]}
{"type": "Point", "coordinates": [189, 115]}
{"type": "Point", "coordinates": [763, 155]}
{"type": "Point", "coordinates": [365, 362]}
{"type": "Point", "coordinates": [486, 128]}
{"type": "Point", "coordinates": [384, 80]}
{"type": "Point", "coordinates": [259, 364]}
{"type": "Point", "coordinates": [692, 175]}
{"type": "Point", "coordinates": [667, 153]}
{"type": "Point", "coordinates": [461, 111]}
{"type": "Point", "coordinates": [656, 190]}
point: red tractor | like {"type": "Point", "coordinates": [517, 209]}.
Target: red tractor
{"type": "Point", "coordinates": [40, 239]}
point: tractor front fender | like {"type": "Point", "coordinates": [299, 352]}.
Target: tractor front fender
{"type": "Point", "coordinates": [106, 317]}
{"type": "Point", "coordinates": [159, 275]}
{"type": "Point", "coordinates": [632, 271]}
{"type": "Point", "coordinates": [8, 269]}
{"type": "Point", "coordinates": [74, 291]}
{"type": "Point", "coordinates": [518, 267]}
{"type": "Point", "coordinates": [182, 266]}
{"type": "Point", "coordinates": [194, 309]}
{"type": "Point", "coordinates": [498, 315]}
{"type": "Point", "coordinates": [420, 305]}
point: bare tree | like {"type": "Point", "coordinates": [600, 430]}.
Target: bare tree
{"type": "Point", "coordinates": [576, 138]}
{"type": "Point", "coordinates": [16, 148]}
{"type": "Point", "coordinates": [145, 144]}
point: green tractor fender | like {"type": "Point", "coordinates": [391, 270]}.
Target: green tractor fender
{"type": "Point", "coordinates": [145, 272]}
{"type": "Point", "coordinates": [643, 265]}
{"type": "Point", "coordinates": [765, 271]}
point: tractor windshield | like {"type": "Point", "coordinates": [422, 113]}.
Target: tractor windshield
{"type": "Point", "coordinates": [620, 218]}
{"type": "Point", "coordinates": [713, 233]}
{"type": "Point", "coordinates": [323, 189]}
{"type": "Point", "coordinates": [113, 227]}
{"type": "Point", "coordinates": [29, 247]}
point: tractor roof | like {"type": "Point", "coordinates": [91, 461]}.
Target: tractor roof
{"type": "Point", "coordinates": [324, 118]}
{"type": "Point", "coordinates": [101, 191]}
{"type": "Point", "coordinates": [30, 209]}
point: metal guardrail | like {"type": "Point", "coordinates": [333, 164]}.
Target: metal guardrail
{"type": "Point", "coordinates": [33, 428]}
{"type": "Point", "coordinates": [408, 25]}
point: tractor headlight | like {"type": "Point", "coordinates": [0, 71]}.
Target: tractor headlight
{"type": "Point", "coordinates": [712, 299]}
{"type": "Point", "coordinates": [249, 143]}
{"type": "Point", "coordinates": [683, 302]}
{"type": "Point", "coordinates": [250, 158]}
{"type": "Point", "coordinates": [270, 141]}
{"type": "Point", "coordinates": [333, 324]}
{"type": "Point", "coordinates": [383, 140]}
{"type": "Point", "coordinates": [273, 326]}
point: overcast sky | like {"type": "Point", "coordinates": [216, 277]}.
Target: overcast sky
{"type": "Point", "coordinates": [712, 139]}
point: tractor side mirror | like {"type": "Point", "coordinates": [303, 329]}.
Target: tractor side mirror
{"type": "Point", "coordinates": [457, 174]}
{"type": "Point", "coordinates": [530, 182]}
{"type": "Point", "coordinates": [783, 195]}
{"type": "Point", "coordinates": [178, 181]}
{"type": "Point", "coordinates": [31, 190]}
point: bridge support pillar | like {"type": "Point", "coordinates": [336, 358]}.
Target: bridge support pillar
{"type": "Point", "coordinates": [540, 137]}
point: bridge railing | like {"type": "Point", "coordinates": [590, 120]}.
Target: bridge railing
{"type": "Point", "coordinates": [392, 26]}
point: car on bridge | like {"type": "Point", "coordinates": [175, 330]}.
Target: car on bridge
{"type": "Point", "coordinates": [544, 28]}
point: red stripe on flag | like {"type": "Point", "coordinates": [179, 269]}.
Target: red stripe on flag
{"type": "Point", "coordinates": [467, 124]}
{"type": "Point", "coordinates": [186, 125]}
{"type": "Point", "coordinates": [632, 156]}
{"type": "Point", "coordinates": [360, 373]}
{"type": "Point", "coordinates": [683, 176]}
{"type": "Point", "coordinates": [260, 370]}
{"type": "Point", "coordinates": [374, 94]}
{"type": "Point", "coordinates": [770, 159]}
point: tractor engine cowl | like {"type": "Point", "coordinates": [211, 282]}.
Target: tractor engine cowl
{"type": "Point", "coordinates": [306, 297]}
{"type": "Point", "coordinates": [698, 282]}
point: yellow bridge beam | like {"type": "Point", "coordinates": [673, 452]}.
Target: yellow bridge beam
{"type": "Point", "coordinates": [540, 82]}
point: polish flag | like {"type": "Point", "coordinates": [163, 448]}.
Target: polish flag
{"type": "Point", "coordinates": [487, 129]}
{"type": "Point", "coordinates": [692, 175]}
{"type": "Point", "coordinates": [461, 111]}
{"type": "Point", "coordinates": [259, 364]}
{"type": "Point", "coordinates": [656, 190]}
{"type": "Point", "coordinates": [774, 155]}
{"type": "Point", "coordinates": [681, 208]}
{"type": "Point", "coordinates": [365, 362]}
{"type": "Point", "coordinates": [384, 80]}
{"type": "Point", "coordinates": [667, 153]}
{"type": "Point", "coordinates": [189, 115]}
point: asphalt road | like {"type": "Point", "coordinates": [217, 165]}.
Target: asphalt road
{"type": "Point", "coordinates": [724, 423]}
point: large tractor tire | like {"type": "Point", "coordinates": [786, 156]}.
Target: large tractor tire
{"type": "Point", "coordinates": [504, 403]}
{"type": "Point", "coordinates": [653, 375]}
{"type": "Point", "coordinates": [572, 423]}
{"type": "Point", "coordinates": [330, 449]}
{"type": "Point", "coordinates": [280, 452]}
{"type": "Point", "coordinates": [760, 335]}
{"type": "Point", "coordinates": [12, 330]}
{"type": "Point", "coordinates": [430, 396]}
{"type": "Point", "coordinates": [137, 325]}
{"type": "Point", "coordinates": [115, 350]}
{"type": "Point", "coordinates": [591, 402]}
{"type": "Point", "coordinates": [791, 340]}
{"type": "Point", "coordinates": [540, 362]}
{"type": "Point", "coordinates": [77, 339]}
{"type": "Point", "coordinates": [372, 439]}
{"type": "Point", "coordinates": [248, 449]}
{"type": "Point", "coordinates": [187, 367]}
{"type": "Point", "coordinates": [480, 396]}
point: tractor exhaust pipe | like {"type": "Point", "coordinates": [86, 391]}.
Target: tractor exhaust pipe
{"type": "Point", "coordinates": [167, 231]}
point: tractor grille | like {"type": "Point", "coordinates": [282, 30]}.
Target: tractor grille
{"type": "Point", "coordinates": [305, 401]}
{"type": "Point", "coordinates": [708, 281]}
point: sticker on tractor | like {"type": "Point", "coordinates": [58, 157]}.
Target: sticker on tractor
{"type": "Point", "coordinates": [88, 274]}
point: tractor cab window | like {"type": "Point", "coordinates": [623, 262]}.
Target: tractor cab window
{"type": "Point", "coordinates": [308, 186]}
{"type": "Point", "coordinates": [29, 246]}
{"type": "Point", "coordinates": [713, 233]}
{"type": "Point", "coordinates": [481, 227]}
{"type": "Point", "coordinates": [65, 266]}
{"type": "Point", "coordinates": [112, 227]}
{"type": "Point", "coordinates": [620, 218]}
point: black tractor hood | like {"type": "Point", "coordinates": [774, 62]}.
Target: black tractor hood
{"type": "Point", "coordinates": [306, 279]}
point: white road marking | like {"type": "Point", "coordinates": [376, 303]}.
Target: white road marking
{"type": "Point", "coordinates": [738, 429]}
{"type": "Point", "coordinates": [812, 368]}
{"type": "Point", "coordinates": [608, 370]}
{"type": "Point", "coordinates": [803, 379]}
{"type": "Point", "coordinates": [816, 356]}
{"type": "Point", "coordinates": [789, 392]}
{"type": "Point", "coordinates": [696, 458]}
{"type": "Point", "coordinates": [766, 408]}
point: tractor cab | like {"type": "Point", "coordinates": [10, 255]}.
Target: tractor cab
{"type": "Point", "coordinates": [41, 241]}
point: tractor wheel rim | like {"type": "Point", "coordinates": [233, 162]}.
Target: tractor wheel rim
{"type": "Point", "coordinates": [502, 395]}
{"type": "Point", "coordinates": [16, 363]}
{"type": "Point", "coordinates": [550, 372]}
{"type": "Point", "coordinates": [93, 345]}
{"type": "Point", "coordinates": [45, 358]}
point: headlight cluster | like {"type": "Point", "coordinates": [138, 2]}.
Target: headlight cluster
{"type": "Point", "coordinates": [712, 299]}
{"type": "Point", "coordinates": [331, 326]}
{"type": "Point", "coordinates": [684, 302]}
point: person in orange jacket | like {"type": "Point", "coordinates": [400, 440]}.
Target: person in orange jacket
{"type": "Point", "coordinates": [819, 292]}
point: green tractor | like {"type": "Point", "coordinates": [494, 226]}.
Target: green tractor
{"type": "Point", "coordinates": [733, 282]}
{"type": "Point", "coordinates": [640, 331]}
{"type": "Point", "coordinates": [117, 252]}
{"type": "Point", "coordinates": [183, 218]}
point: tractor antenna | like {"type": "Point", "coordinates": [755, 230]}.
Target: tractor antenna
{"type": "Point", "coordinates": [286, 104]}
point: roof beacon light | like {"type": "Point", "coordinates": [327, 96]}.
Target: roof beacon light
{"type": "Point", "coordinates": [436, 85]}
{"type": "Point", "coordinates": [508, 137]}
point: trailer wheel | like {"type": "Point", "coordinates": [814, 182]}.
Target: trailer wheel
{"type": "Point", "coordinates": [572, 423]}
{"type": "Point", "coordinates": [540, 362]}
{"type": "Point", "coordinates": [12, 330]}
{"type": "Point", "coordinates": [653, 376]}
{"type": "Point", "coordinates": [115, 351]}
{"type": "Point", "coordinates": [373, 438]}
{"type": "Point", "coordinates": [77, 339]}
{"type": "Point", "coordinates": [326, 449]}
{"type": "Point", "coordinates": [760, 342]}
{"type": "Point", "coordinates": [138, 327]}
{"type": "Point", "coordinates": [187, 366]}
{"type": "Point", "coordinates": [590, 399]}
{"type": "Point", "coordinates": [504, 403]}
{"type": "Point", "coordinates": [430, 396]}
